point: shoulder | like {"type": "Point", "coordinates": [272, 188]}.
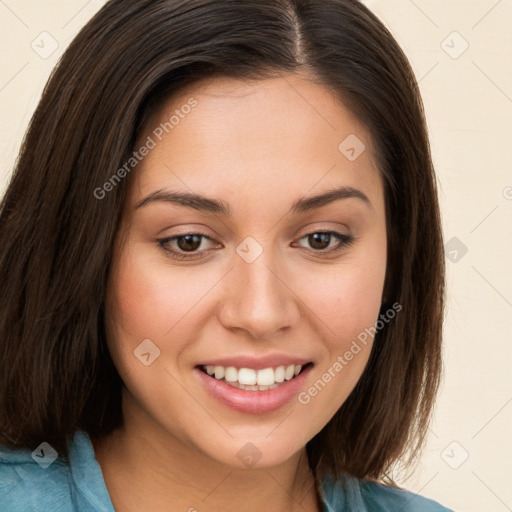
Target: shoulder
{"type": "Point", "coordinates": [41, 480]}
{"type": "Point", "coordinates": [380, 497]}
{"type": "Point", "coordinates": [26, 484]}
{"type": "Point", "coordinates": [349, 493]}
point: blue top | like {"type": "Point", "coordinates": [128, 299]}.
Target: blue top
{"type": "Point", "coordinates": [39, 481]}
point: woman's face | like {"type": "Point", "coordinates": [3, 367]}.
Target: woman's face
{"type": "Point", "coordinates": [229, 262]}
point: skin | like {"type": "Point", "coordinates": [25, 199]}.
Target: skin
{"type": "Point", "coordinates": [257, 146]}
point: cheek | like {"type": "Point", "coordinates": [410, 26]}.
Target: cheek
{"type": "Point", "coordinates": [148, 303]}
{"type": "Point", "coordinates": [151, 301]}
{"type": "Point", "coordinates": [140, 307]}
{"type": "Point", "coordinates": [345, 306]}
{"type": "Point", "coordinates": [346, 299]}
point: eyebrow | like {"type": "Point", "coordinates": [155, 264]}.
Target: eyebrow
{"type": "Point", "coordinates": [206, 204]}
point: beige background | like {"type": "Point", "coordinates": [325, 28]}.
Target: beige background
{"type": "Point", "coordinates": [468, 101]}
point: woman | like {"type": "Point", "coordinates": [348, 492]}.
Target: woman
{"type": "Point", "coordinates": [222, 266]}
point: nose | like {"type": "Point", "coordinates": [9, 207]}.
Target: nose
{"type": "Point", "coordinates": [259, 298]}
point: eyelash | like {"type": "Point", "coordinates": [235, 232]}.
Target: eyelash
{"type": "Point", "coordinates": [345, 241]}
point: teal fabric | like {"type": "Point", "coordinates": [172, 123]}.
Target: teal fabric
{"type": "Point", "coordinates": [76, 484]}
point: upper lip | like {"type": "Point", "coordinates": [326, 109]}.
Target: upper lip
{"type": "Point", "coordinates": [256, 363]}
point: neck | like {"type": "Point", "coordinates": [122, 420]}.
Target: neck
{"type": "Point", "coordinates": [146, 468]}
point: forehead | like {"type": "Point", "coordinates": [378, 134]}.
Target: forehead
{"type": "Point", "coordinates": [266, 137]}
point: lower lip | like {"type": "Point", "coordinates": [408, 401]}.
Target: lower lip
{"type": "Point", "coordinates": [253, 402]}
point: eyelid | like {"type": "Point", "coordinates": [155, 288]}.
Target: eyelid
{"type": "Point", "coordinates": [184, 255]}
{"type": "Point", "coordinates": [344, 241]}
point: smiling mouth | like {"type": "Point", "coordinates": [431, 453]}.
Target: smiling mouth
{"type": "Point", "coordinates": [254, 380]}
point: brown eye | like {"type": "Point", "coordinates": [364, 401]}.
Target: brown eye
{"type": "Point", "coordinates": [189, 242]}
{"type": "Point", "coordinates": [320, 241]}
{"type": "Point", "coordinates": [185, 246]}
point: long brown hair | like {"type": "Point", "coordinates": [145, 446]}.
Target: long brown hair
{"type": "Point", "coordinates": [56, 236]}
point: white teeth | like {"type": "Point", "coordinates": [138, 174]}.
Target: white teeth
{"type": "Point", "coordinates": [247, 377]}
{"type": "Point", "coordinates": [231, 374]}
{"type": "Point", "coordinates": [254, 380]}
{"type": "Point", "coordinates": [264, 377]}
{"type": "Point", "coordinates": [219, 372]}
{"type": "Point", "coordinates": [252, 388]}
{"type": "Point", "coordinates": [279, 374]}
{"type": "Point", "coordinates": [290, 370]}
